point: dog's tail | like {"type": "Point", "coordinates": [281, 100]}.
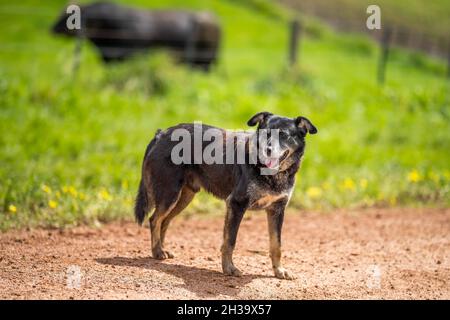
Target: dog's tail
{"type": "Point", "coordinates": [141, 206]}
{"type": "Point", "coordinates": [143, 203]}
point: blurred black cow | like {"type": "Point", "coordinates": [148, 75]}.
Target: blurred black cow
{"type": "Point", "coordinates": [119, 32]}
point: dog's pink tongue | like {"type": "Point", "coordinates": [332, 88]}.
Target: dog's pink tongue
{"type": "Point", "coordinates": [271, 163]}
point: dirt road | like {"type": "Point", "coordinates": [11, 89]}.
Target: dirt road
{"type": "Point", "coordinates": [369, 254]}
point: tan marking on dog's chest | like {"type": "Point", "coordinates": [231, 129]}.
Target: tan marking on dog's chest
{"type": "Point", "coordinates": [267, 200]}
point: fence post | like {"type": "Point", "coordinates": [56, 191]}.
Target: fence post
{"type": "Point", "coordinates": [77, 54]}
{"type": "Point", "coordinates": [80, 34]}
{"type": "Point", "coordinates": [384, 54]}
{"type": "Point", "coordinates": [295, 30]}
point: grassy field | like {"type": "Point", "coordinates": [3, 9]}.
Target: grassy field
{"type": "Point", "coordinates": [71, 145]}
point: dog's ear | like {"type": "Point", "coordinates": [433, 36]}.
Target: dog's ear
{"type": "Point", "coordinates": [259, 118]}
{"type": "Point", "coordinates": [305, 125]}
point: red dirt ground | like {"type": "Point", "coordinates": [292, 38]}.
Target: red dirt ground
{"type": "Point", "coordinates": [366, 254]}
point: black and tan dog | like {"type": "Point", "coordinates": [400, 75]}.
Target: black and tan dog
{"type": "Point", "coordinates": [167, 188]}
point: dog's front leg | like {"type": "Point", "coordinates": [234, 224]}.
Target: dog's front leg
{"type": "Point", "coordinates": [275, 216]}
{"type": "Point", "coordinates": [235, 211]}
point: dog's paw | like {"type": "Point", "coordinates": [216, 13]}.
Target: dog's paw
{"type": "Point", "coordinates": [231, 270]}
{"type": "Point", "coordinates": [282, 273]}
{"type": "Point", "coordinates": [161, 254]}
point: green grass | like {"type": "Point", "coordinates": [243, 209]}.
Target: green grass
{"type": "Point", "coordinates": [71, 146]}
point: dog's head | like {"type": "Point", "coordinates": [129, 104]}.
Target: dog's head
{"type": "Point", "coordinates": [281, 140]}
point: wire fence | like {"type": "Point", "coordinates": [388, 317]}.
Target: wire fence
{"type": "Point", "coordinates": [351, 17]}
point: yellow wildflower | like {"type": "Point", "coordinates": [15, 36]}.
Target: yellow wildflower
{"type": "Point", "coordinates": [348, 184]}
{"type": "Point", "coordinates": [414, 176]}
{"type": "Point", "coordinates": [72, 191]}
{"type": "Point", "coordinates": [314, 192]}
{"type": "Point", "coordinates": [58, 194]}
{"type": "Point", "coordinates": [124, 184]}
{"type": "Point", "coordinates": [12, 208]}
{"type": "Point", "coordinates": [65, 189]}
{"type": "Point", "coordinates": [82, 196]}
{"type": "Point", "coordinates": [104, 195]}
{"type": "Point", "coordinates": [46, 189]}
{"type": "Point", "coordinates": [52, 204]}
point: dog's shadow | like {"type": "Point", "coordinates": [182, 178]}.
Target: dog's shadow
{"type": "Point", "coordinates": [203, 282]}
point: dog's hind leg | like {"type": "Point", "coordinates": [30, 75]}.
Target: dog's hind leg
{"type": "Point", "coordinates": [187, 194]}
{"type": "Point", "coordinates": [156, 221]}
{"type": "Point", "coordinates": [275, 216]}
